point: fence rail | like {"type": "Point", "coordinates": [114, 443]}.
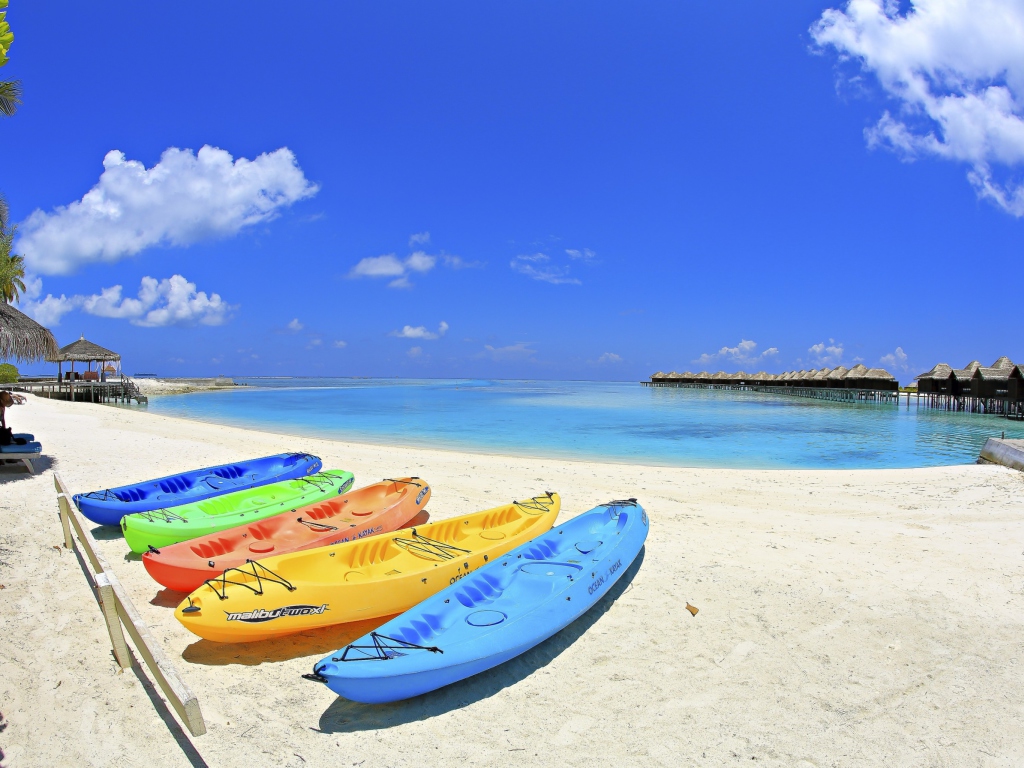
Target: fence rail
{"type": "Point", "coordinates": [119, 611]}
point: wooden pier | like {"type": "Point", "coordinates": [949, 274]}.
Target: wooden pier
{"type": "Point", "coordinates": [119, 391]}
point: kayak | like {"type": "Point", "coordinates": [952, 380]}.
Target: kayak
{"type": "Point", "coordinates": [500, 611]}
{"type": "Point", "coordinates": [145, 531]}
{"type": "Point", "coordinates": [107, 507]}
{"type": "Point", "coordinates": [358, 580]}
{"type": "Point", "coordinates": [379, 508]}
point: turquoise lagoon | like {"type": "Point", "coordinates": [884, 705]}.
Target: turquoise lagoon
{"type": "Point", "coordinates": [607, 421]}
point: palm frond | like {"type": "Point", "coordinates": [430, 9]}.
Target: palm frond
{"type": "Point", "coordinates": [10, 96]}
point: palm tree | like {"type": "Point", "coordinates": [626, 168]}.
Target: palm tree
{"type": "Point", "coordinates": [10, 97]}
{"type": "Point", "coordinates": [10, 90]}
{"type": "Point", "coordinates": [12, 266]}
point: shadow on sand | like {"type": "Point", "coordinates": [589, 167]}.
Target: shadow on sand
{"type": "Point", "coordinates": [107, 532]}
{"type": "Point", "coordinates": [11, 471]}
{"type": "Point", "coordinates": [317, 642]}
{"type": "Point", "coordinates": [344, 716]}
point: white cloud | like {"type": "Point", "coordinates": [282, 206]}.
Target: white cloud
{"type": "Point", "coordinates": [897, 360]}
{"type": "Point", "coordinates": [390, 265]}
{"type": "Point", "coordinates": [581, 255]}
{"type": "Point", "coordinates": [457, 262]}
{"type": "Point", "coordinates": [609, 357]}
{"type": "Point", "coordinates": [518, 351]}
{"type": "Point", "coordinates": [745, 354]}
{"type": "Point", "coordinates": [415, 352]}
{"type": "Point", "coordinates": [185, 198]}
{"type": "Point", "coordinates": [51, 310]}
{"type": "Point", "coordinates": [956, 70]}
{"type": "Point", "coordinates": [295, 325]}
{"type": "Point", "coordinates": [339, 344]}
{"type": "Point", "coordinates": [421, 332]}
{"type": "Point", "coordinates": [171, 301]}
{"type": "Point", "coordinates": [538, 266]}
{"type": "Point", "coordinates": [419, 238]}
{"type": "Point", "coordinates": [827, 354]}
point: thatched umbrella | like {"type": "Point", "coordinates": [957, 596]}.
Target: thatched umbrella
{"type": "Point", "coordinates": [83, 351]}
{"type": "Point", "coordinates": [22, 338]}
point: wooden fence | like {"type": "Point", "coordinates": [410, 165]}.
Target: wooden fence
{"type": "Point", "coordinates": [118, 610]}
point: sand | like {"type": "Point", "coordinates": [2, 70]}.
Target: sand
{"type": "Point", "coordinates": [846, 617]}
{"type": "Point", "coordinates": [182, 386]}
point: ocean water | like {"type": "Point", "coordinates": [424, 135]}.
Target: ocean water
{"type": "Point", "coordinates": [609, 421]}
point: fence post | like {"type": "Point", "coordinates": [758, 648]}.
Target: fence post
{"type": "Point", "coordinates": [64, 523]}
{"type": "Point", "coordinates": [108, 604]}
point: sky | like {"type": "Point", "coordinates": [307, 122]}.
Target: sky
{"type": "Point", "coordinates": [551, 190]}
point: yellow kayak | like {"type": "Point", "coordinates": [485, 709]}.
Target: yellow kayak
{"type": "Point", "coordinates": [357, 580]}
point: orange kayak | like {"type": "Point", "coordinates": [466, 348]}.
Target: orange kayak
{"type": "Point", "coordinates": [379, 508]}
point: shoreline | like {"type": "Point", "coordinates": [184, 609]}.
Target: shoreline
{"type": "Point", "coordinates": [855, 612]}
{"type": "Point", "coordinates": [528, 452]}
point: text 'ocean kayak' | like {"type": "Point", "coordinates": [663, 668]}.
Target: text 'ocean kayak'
{"type": "Point", "coordinates": [378, 576]}
{"type": "Point", "coordinates": [107, 507]}
{"type": "Point", "coordinates": [379, 508]}
{"type": "Point", "coordinates": [498, 612]}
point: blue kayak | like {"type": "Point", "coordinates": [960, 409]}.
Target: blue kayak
{"type": "Point", "coordinates": [109, 506]}
{"type": "Point", "coordinates": [498, 612]}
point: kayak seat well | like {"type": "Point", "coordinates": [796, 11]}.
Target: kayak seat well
{"type": "Point", "coordinates": [230, 473]}
{"type": "Point", "coordinates": [212, 548]}
{"type": "Point", "coordinates": [175, 484]}
{"type": "Point", "coordinates": [132, 494]}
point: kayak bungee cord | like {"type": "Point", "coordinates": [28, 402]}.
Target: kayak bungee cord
{"type": "Point", "coordinates": [422, 545]}
{"type": "Point", "coordinates": [163, 515]}
{"type": "Point", "coordinates": [536, 504]}
{"type": "Point", "coordinates": [315, 526]}
{"type": "Point", "coordinates": [268, 575]}
{"type": "Point", "coordinates": [404, 482]}
{"type": "Point", "coordinates": [320, 481]}
{"type": "Point", "coordinates": [382, 651]}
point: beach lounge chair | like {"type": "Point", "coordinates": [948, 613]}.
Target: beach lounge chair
{"type": "Point", "coordinates": [23, 453]}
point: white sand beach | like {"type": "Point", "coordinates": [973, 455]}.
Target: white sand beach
{"type": "Point", "coordinates": [846, 617]}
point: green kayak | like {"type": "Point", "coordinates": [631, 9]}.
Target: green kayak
{"type": "Point", "coordinates": [163, 527]}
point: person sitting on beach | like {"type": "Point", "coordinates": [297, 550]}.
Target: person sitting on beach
{"type": "Point", "coordinates": [6, 401]}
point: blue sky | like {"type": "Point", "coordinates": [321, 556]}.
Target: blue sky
{"type": "Point", "coordinates": [531, 190]}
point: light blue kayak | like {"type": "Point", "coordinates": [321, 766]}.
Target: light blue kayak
{"type": "Point", "coordinates": [498, 612]}
{"type": "Point", "coordinates": [107, 507]}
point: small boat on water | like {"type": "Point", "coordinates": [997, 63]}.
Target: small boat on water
{"type": "Point", "coordinates": [365, 579]}
{"type": "Point", "coordinates": [146, 531]}
{"type": "Point", "coordinates": [108, 506]}
{"type": "Point", "coordinates": [379, 508]}
{"type": "Point", "coordinates": [495, 614]}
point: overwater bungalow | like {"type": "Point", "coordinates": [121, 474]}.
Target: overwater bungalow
{"type": "Point", "coordinates": [993, 389]}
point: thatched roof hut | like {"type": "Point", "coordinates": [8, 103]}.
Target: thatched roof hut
{"type": "Point", "coordinates": [720, 376]}
{"type": "Point", "coordinates": [22, 338]}
{"type": "Point", "coordinates": [1003, 362]}
{"type": "Point", "coordinates": [940, 371]}
{"type": "Point", "coordinates": [839, 373]}
{"type": "Point", "coordinates": [83, 351]}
